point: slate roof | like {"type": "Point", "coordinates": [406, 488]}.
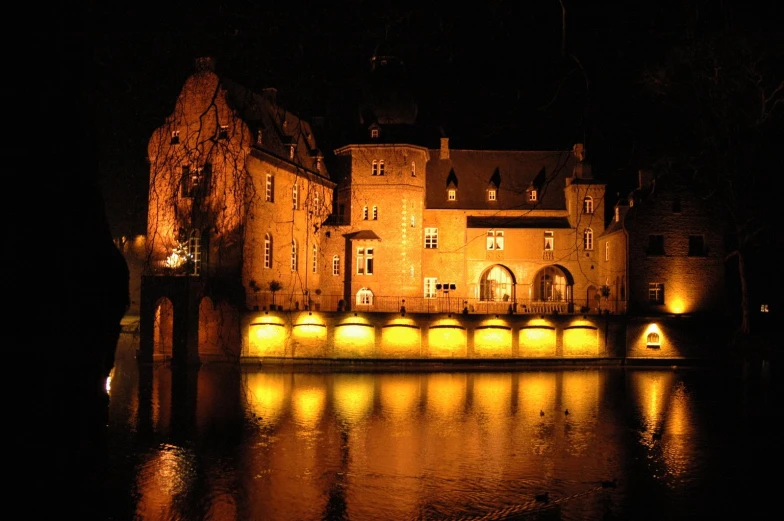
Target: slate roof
{"type": "Point", "coordinates": [510, 172]}
{"type": "Point", "coordinates": [363, 235]}
{"type": "Point", "coordinates": [517, 222]}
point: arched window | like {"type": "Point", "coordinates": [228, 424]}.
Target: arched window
{"type": "Point", "coordinates": [588, 205]}
{"type": "Point", "coordinates": [653, 340]}
{"type": "Point", "coordinates": [588, 239]}
{"type": "Point", "coordinates": [551, 285]}
{"type": "Point", "coordinates": [336, 265]}
{"type": "Point", "coordinates": [364, 297]}
{"type": "Point", "coordinates": [294, 255]}
{"type": "Point", "coordinates": [496, 284]}
{"type": "Point", "coordinates": [267, 250]}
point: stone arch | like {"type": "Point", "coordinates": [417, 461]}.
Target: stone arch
{"type": "Point", "coordinates": [497, 283]}
{"type": "Point", "coordinates": [553, 283]}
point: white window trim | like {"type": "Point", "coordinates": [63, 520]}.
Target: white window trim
{"type": "Point", "coordinates": [430, 287]}
{"type": "Point", "coordinates": [336, 265]}
{"type": "Point", "coordinates": [491, 195]}
{"type": "Point", "coordinates": [451, 194]}
{"type": "Point", "coordinates": [431, 238]}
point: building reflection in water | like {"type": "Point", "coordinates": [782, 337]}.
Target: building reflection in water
{"type": "Point", "coordinates": [289, 445]}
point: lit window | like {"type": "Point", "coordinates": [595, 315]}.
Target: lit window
{"type": "Point", "coordinates": [335, 265]}
{"type": "Point", "coordinates": [267, 251]}
{"type": "Point", "coordinates": [194, 249]}
{"type": "Point", "coordinates": [588, 205]}
{"type": "Point", "coordinates": [532, 196]}
{"type": "Point", "coordinates": [269, 194]}
{"type": "Point", "coordinates": [588, 239]}
{"type": "Point", "coordinates": [316, 201]}
{"type": "Point", "coordinates": [315, 258]}
{"type": "Point", "coordinates": [431, 238]}
{"type": "Point", "coordinates": [617, 214]}
{"type": "Point", "coordinates": [364, 261]}
{"type": "Point", "coordinates": [375, 213]}
{"type": "Point", "coordinates": [364, 297]}
{"type": "Point", "coordinates": [430, 287]}
{"type": "Point", "coordinates": [607, 250]}
{"type": "Point", "coordinates": [413, 169]}
{"type": "Point", "coordinates": [549, 241]}
{"type": "Point", "coordinates": [656, 293]}
{"type": "Point", "coordinates": [452, 194]}
{"type": "Point", "coordinates": [413, 221]}
{"type": "Point", "coordinates": [375, 167]}
{"type": "Point", "coordinates": [491, 195]}
{"type": "Point", "coordinates": [495, 240]}
{"type": "Point", "coordinates": [294, 255]}
{"type": "Point", "coordinates": [653, 341]}
{"type": "Point", "coordinates": [365, 213]}
{"type": "Point", "coordinates": [295, 197]}
{"type": "Point", "coordinates": [175, 137]}
{"type": "Point", "coordinates": [223, 133]}
{"type": "Point", "coordinates": [381, 167]}
{"type": "Point", "coordinates": [764, 308]}
{"type": "Point", "coordinates": [374, 133]}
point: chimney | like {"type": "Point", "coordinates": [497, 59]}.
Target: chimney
{"type": "Point", "coordinates": [205, 64]}
{"type": "Point", "coordinates": [444, 148]}
{"type": "Point", "coordinates": [271, 94]}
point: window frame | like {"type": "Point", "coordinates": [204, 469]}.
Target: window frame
{"type": "Point", "coordinates": [491, 195]}
{"type": "Point", "coordinates": [429, 289]}
{"type": "Point", "coordinates": [269, 189]}
{"type": "Point", "coordinates": [315, 258]}
{"type": "Point", "coordinates": [588, 239]}
{"type": "Point", "coordinates": [451, 194]}
{"type": "Point", "coordinates": [494, 240]}
{"type": "Point", "coordinates": [375, 212]}
{"type": "Point", "coordinates": [267, 251]}
{"type": "Point", "coordinates": [549, 240]}
{"type": "Point", "coordinates": [295, 196]}
{"type": "Point", "coordinates": [365, 213]}
{"type": "Point", "coordinates": [431, 238]}
{"type": "Point", "coordinates": [656, 293]}
{"type": "Point", "coordinates": [532, 195]}
{"type": "Point", "coordinates": [294, 255]}
{"type": "Point", "coordinates": [588, 205]}
{"type": "Point", "coordinates": [336, 265]}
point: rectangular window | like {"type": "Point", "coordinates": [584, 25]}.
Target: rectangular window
{"type": "Point", "coordinates": [656, 293]}
{"type": "Point", "coordinates": [269, 193]}
{"type": "Point", "coordinates": [607, 250]}
{"type": "Point", "coordinates": [375, 213]}
{"type": "Point", "coordinates": [491, 195]}
{"type": "Point", "coordinates": [294, 256]}
{"type": "Point", "coordinates": [360, 261]}
{"type": "Point", "coordinates": [452, 195]}
{"type": "Point", "coordinates": [374, 133]}
{"type": "Point", "coordinates": [335, 265]}
{"type": "Point", "coordinates": [267, 251]}
{"type": "Point", "coordinates": [495, 240]}
{"type": "Point", "coordinates": [369, 261]}
{"type": "Point", "coordinates": [430, 287]}
{"type": "Point", "coordinates": [655, 245]}
{"type": "Point", "coordinates": [375, 167]}
{"type": "Point", "coordinates": [175, 137]}
{"type": "Point", "coordinates": [381, 167]}
{"type": "Point", "coordinates": [431, 238]}
{"type": "Point", "coordinates": [696, 246]}
{"type": "Point", "coordinates": [315, 259]}
{"type": "Point", "coordinates": [365, 213]}
{"type": "Point", "coordinates": [223, 133]}
{"type": "Point", "coordinates": [532, 196]}
{"type": "Point", "coordinates": [295, 197]}
{"type": "Point", "coordinates": [549, 241]}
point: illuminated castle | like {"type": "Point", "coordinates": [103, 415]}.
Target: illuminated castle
{"type": "Point", "coordinates": [242, 205]}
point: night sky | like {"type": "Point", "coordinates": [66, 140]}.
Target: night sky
{"type": "Point", "coordinates": [502, 75]}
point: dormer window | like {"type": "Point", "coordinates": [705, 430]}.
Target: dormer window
{"type": "Point", "coordinates": [378, 167]}
{"type": "Point", "coordinates": [223, 133]}
{"type": "Point", "coordinates": [491, 195]}
{"type": "Point", "coordinates": [617, 214]}
{"type": "Point", "coordinates": [292, 147]}
{"type": "Point", "coordinates": [374, 133]}
{"type": "Point", "coordinates": [451, 194]}
{"type": "Point", "coordinates": [532, 195]}
{"type": "Point", "coordinates": [175, 137]}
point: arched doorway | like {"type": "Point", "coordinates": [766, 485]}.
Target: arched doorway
{"type": "Point", "coordinates": [497, 283]}
{"type": "Point", "coordinates": [552, 290]}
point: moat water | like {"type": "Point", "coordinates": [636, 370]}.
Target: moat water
{"type": "Point", "coordinates": [231, 442]}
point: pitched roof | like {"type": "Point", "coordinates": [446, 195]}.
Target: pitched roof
{"type": "Point", "coordinates": [513, 172]}
{"type": "Point", "coordinates": [363, 235]}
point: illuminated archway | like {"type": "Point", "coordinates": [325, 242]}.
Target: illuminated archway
{"type": "Point", "coordinates": [364, 297]}
{"type": "Point", "coordinates": [553, 284]}
{"type": "Point", "coordinates": [497, 283]}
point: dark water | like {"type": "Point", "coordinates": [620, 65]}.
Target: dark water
{"type": "Point", "coordinates": [238, 443]}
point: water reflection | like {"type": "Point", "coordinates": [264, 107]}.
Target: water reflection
{"type": "Point", "coordinates": [230, 443]}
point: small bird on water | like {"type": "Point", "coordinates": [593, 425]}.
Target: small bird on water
{"type": "Point", "coordinates": [566, 412]}
{"type": "Point", "coordinates": [541, 412]}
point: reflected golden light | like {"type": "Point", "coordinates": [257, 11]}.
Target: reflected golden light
{"type": "Point", "coordinates": [310, 326]}
{"type": "Point", "coordinates": [266, 394]}
{"type": "Point", "coordinates": [308, 406]}
{"type": "Point", "coordinates": [353, 396]}
{"type": "Point", "coordinates": [446, 394]}
{"type": "Point", "coordinates": [355, 337]}
{"type": "Point", "coordinates": [493, 395]}
{"type": "Point", "coordinates": [656, 330]}
{"type": "Point", "coordinates": [401, 337]}
{"type": "Point", "coordinates": [399, 395]}
{"type": "Point", "coordinates": [537, 338]}
{"type": "Point", "coordinates": [267, 336]}
{"type": "Point", "coordinates": [677, 306]}
{"type": "Point", "coordinates": [537, 393]}
{"type": "Point", "coordinates": [161, 480]}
